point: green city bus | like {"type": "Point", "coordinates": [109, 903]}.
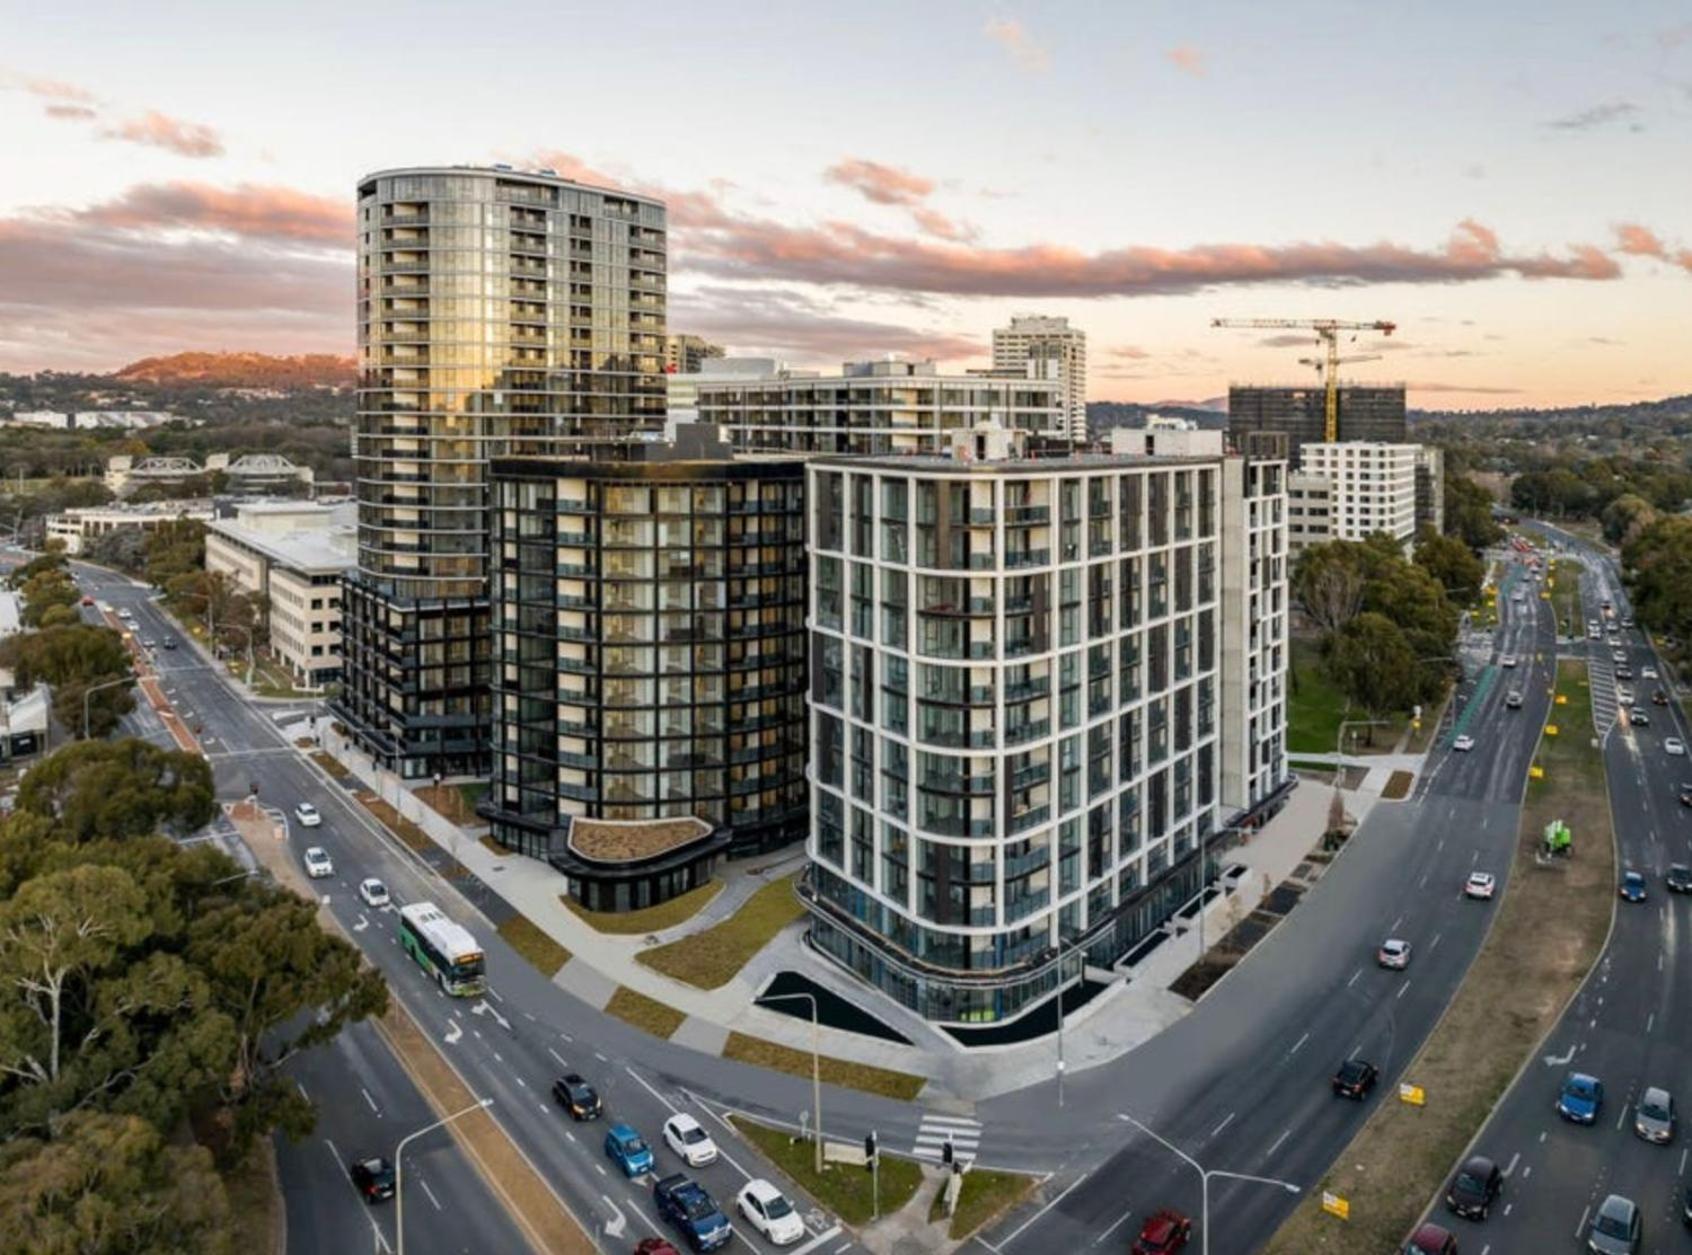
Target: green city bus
{"type": "Point", "coordinates": [443, 949]}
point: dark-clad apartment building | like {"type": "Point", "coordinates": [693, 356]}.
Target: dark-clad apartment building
{"type": "Point", "coordinates": [648, 666]}
{"type": "Point", "coordinates": [1372, 412]}
{"type": "Point", "coordinates": [500, 313]}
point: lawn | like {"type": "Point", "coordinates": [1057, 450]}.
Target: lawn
{"type": "Point", "coordinates": [1550, 930]}
{"type": "Point", "coordinates": [526, 937]}
{"type": "Point", "coordinates": [843, 1189]}
{"type": "Point", "coordinates": [986, 1195]}
{"type": "Point", "coordinates": [710, 959]}
{"type": "Point", "coordinates": [647, 1014]}
{"type": "Point", "coordinates": [652, 919]}
{"type": "Point", "coordinates": [872, 1080]}
{"type": "Point", "coordinates": [453, 802]}
{"type": "Point", "coordinates": [1315, 706]}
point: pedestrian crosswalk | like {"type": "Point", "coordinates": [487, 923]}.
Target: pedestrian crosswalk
{"type": "Point", "coordinates": [934, 1132]}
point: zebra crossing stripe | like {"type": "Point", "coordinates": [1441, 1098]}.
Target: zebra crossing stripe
{"type": "Point", "coordinates": [935, 1131]}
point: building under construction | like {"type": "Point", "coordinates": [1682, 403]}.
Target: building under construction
{"type": "Point", "coordinates": [1365, 412]}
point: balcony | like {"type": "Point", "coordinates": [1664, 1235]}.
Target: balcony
{"type": "Point", "coordinates": [1016, 559]}
{"type": "Point", "coordinates": [1033, 730]}
{"type": "Point", "coordinates": [1027, 516]}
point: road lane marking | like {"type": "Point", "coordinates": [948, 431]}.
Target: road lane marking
{"type": "Point", "coordinates": [1650, 1021]}
{"type": "Point", "coordinates": [821, 1238]}
{"type": "Point", "coordinates": [1621, 1119]}
{"type": "Point", "coordinates": [1395, 924]}
{"type": "Point", "coordinates": [1682, 1163]}
{"type": "Point", "coordinates": [1297, 1044]}
{"type": "Point", "coordinates": [370, 1100]}
{"type": "Point", "coordinates": [1423, 882]}
{"type": "Point", "coordinates": [557, 1056]}
{"type": "Point", "coordinates": [1581, 1227]}
{"type": "Point", "coordinates": [1354, 976]}
{"type": "Point", "coordinates": [1018, 1231]}
{"type": "Point", "coordinates": [1225, 1123]}
{"type": "Point", "coordinates": [1514, 1160]}
{"type": "Point", "coordinates": [569, 1135]}
{"type": "Point", "coordinates": [1403, 989]}
{"type": "Point", "coordinates": [1434, 944]}
{"type": "Point", "coordinates": [424, 1182]}
{"type": "Point", "coordinates": [1276, 1145]}
{"type": "Point", "coordinates": [1115, 1225]}
{"type": "Point", "coordinates": [674, 1110]}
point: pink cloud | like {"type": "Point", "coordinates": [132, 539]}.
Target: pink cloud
{"type": "Point", "coordinates": [1014, 38]}
{"type": "Point", "coordinates": [793, 324]}
{"type": "Point", "coordinates": [1127, 352]}
{"type": "Point", "coordinates": [47, 88]}
{"type": "Point", "coordinates": [885, 185]}
{"type": "Point", "coordinates": [71, 113]}
{"type": "Point", "coordinates": [158, 130]}
{"type": "Point", "coordinates": [1637, 241]}
{"type": "Point", "coordinates": [1187, 59]}
{"type": "Point", "coordinates": [258, 210]}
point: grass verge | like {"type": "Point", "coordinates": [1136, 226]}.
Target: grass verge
{"type": "Point", "coordinates": [397, 823]}
{"type": "Point", "coordinates": [1550, 929]}
{"type": "Point", "coordinates": [331, 764]}
{"type": "Point", "coordinates": [1398, 785]}
{"type": "Point", "coordinates": [986, 1195]}
{"type": "Point", "coordinates": [450, 802]}
{"type": "Point", "coordinates": [255, 1201]}
{"type": "Point", "coordinates": [647, 1014]}
{"type": "Point", "coordinates": [652, 919]}
{"type": "Point", "coordinates": [872, 1080]}
{"type": "Point", "coordinates": [524, 936]}
{"type": "Point", "coordinates": [1315, 706]}
{"type": "Point", "coordinates": [843, 1189]}
{"type": "Point", "coordinates": [710, 959]}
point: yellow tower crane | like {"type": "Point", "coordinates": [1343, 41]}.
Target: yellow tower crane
{"type": "Point", "coordinates": [1328, 335]}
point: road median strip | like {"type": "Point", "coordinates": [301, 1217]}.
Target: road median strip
{"type": "Point", "coordinates": [1549, 931]}
{"type": "Point", "coordinates": [845, 1189]}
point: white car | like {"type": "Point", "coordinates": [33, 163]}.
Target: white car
{"type": "Point", "coordinates": [374, 892]}
{"type": "Point", "coordinates": [317, 863]}
{"type": "Point", "coordinates": [1508, 660]}
{"type": "Point", "coordinates": [1675, 746]}
{"type": "Point", "coordinates": [308, 815]}
{"type": "Point", "coordinates": [684, 1136]}
{"type": "Point", "coordinates": [1480, 885]}
{"type": "Point", "coordinates": [1618, 655]}
{"type": "Point", "coordinates": [1394, 954]}
{"type": "Point", "coordinates": [1464, 743]}
{"type": "Point", "coordinates": [1647, 673]}
{"type": "Point", "coordinates": [768, 1211]}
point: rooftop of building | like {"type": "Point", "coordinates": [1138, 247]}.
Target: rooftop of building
{"type": "Point", "coordinates": [331, 547]}
{"type": "Point", "coordinates": [543, 175]}
{"type": "Point", "coordinates": [895, 368]}
{"type": "Point", "coordinates": [11, 612]}
{"type": "Point", "coordinates": [150, 509]}
{"type": "Point", "coordinates": [635, 840]}
{"type": "Point", "coordinates": [940, 463]}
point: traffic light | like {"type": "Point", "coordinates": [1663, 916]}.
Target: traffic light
{"type": "Point", "coordinates": [869, 1147]}
{"type": "Point", "coordinates": [946, 1153]}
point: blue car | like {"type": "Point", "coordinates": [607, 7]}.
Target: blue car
{"type": "Point", "coordinates": [694, 1213]}
{"type": "Point", "coordinates": [628, 1150]}
{"type": "Point", "coordinates": [1580, 1099]}
{"type": "Point", "coordinates": [1633, 886]}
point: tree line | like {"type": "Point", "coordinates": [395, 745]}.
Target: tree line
{"type": "Point", "coordinates": [150, 993]}
{"type": "Point", "coordinates": [80, 662]}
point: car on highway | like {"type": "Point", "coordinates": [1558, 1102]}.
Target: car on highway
{"type": "Point", "coordinates": [374, 892]}
{"type": "Point", "coordinates": [1624, 672]}
{"type": "Point", "coordinates": [1475, 1187]}
{"type": "Point", "coordinates": [1513, 700]}
{"type": "Point", "coordinates": [683, 1135]}
{"type": "Point", "coordinates": [1632, 887]}
{"type": "Point", "coordinates": [1164, 1232]}
{"type": "Point", "coordinates": [88, 601]}
{"type": "Point", "coordinates": [655, 1246]}
{"type": "Point", "coordinates": [1480, 885]}
{"type": "Point", "coordinates": [1431, 1239]}
{"type": "Point", "coordinates": [1594, 634]}
{"type": "Point", "coordinates": [1659, 698]}
{"type": "Point", "coordinates": [1355, 1078]}
{"type": "Point", "coordinates": [1508, 660]}
{"type": "Point", "coordinates": [573, 1093]}
{"type": "Point", "coordinates": [767, 1210]}
{"type": "Point", "coordinates": [1686, 1207]}
{"type": "Point", "coordinates": [1618, 655]}
{"type": "Point", "coordinates": [1686, 795]}
{"type": "Point", "coordinates": [125, 613]}
{"type": "Point", "coordinates": [1674, 747]}
{"type": "Point", "coordinates": [169, 642]}
{"type": "Point", "coordinates": [1627, 620]}
{"type": "Point", "coordinates": [628, 1150]}
{"type": "Point", "coordinates": [1580, 1098]}
{"type": "Point", "coordinates": [1463, 744]}
{"type": "Point", "coordinates": [1624, 697]}
{"type": "Point", "coordinates": [1679, 878]}
{"type": "Point", "coordinates": [318, 863]}
{"type": "Point", "coordinates": [1647, 673]}
{"type": "Point", "coordinates": [308, 815]}
{"type": "Point", "coordinates": [1617, 1227]}
{"type": "Point", "coordinates": [374, 1178]}
{"type": "Point", "coordinates": [149, 643]}
{"type": "Point", "coordinates": [1394, 953]}
{"type": "Point", "coordinates": [1639, 717]}
{"type": "Point", "coordinates": [1653, 1118]}
{"type": "Point", "coordinates": [683, 1203]}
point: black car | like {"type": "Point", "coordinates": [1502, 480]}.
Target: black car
{"type": "Point", "coordinates": [169, 642]}
{"type": "Point", "coordinates": [1686, 795]}
{"type": "Point", "coordinates": [1679, 878]}
{"type": "Point", "coordinates": [577, 1097]}
{"type": "Point", "coordinates": [685, 1204]}
{"type": "Point", "coordinates": [374, 1178]}
{"type": "Point", "coordinates": [1355, 1078]}
{"type": "Point", "coordinates": [1686, 1206]}
{"type": "Point", "coordinates": [1477, 1183]}
{"type": "Point", "coordinates": [1659, 698]}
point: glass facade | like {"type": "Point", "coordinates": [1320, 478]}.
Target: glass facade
{"type": "Point", "coordinates": [648, 648]}
{"type": "Point", "coordinates": [499, 313]}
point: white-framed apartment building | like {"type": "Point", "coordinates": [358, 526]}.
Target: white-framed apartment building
{"type": "Point", "coordinates": [1364, 486]}
{"type": "Point", "coordinates": [1018, 699]}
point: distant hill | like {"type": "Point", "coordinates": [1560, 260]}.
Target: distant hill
{"type": "Point", "coordinates": [243, 370]}
{"type": "Point", "coordinates": [1667, 407]}
{"type": "Point", "coordinates": [1102, 416]}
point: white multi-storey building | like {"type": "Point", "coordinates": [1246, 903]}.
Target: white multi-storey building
{"type": "Point", "coordinates": [877, 407]}
{"type": "Point", "coordinates": [1017, 673]}
{"type": "Point", "coordinates": [1031, 338]}
{"type": "Point", "coordinates": [76, 527]}
{"type": "Point", "coordinates": [1365, 487]}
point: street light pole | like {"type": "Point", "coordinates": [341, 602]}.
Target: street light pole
{"type": "Point", "coordinates": [89, 692]}
{"type": "Point", "coordinates": [1060, 1060]}
{"type": "Point", "coordinates": [816, 1069]}
{"type": "Point", "coordinates": [1204, 1178]}
{"type": "Point", "coordinates": [399, 1166]}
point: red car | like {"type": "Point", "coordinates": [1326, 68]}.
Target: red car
{"type": "Point", "coordinates": [1163, 1233]}
{"type": "Point", "coordinates": [655, 1246]}
{"type": "Point", "coordinates": [88, 601]}
{"type": "Point", "coordinates": [1431, 1239]}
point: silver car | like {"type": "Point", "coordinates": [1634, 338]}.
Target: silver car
{"type": "Point", "coordinates": [1653, 1118]}
{"type": "Point", "coordinates": [1617, 1228]}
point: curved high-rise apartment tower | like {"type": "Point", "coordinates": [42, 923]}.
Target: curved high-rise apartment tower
{"type": "Point", "coordinates": [500, 313]}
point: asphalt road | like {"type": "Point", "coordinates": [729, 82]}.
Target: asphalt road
{"type": "Point", "coordinates": [1630, 1025]}
{"type": "Point", "coordinates": [1242, 1084]}
{"type": "Point", "coordinates": [509, 1046]}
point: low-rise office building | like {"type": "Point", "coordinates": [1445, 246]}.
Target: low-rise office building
{"type": "Point", "coordinates": [293, 553]}
{"type": "Point", "coordinates": [74, 528]}
{"type": "Point", "coordinates": [1351, 490]}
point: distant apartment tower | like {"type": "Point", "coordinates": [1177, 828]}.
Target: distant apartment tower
{"type": "Point", "coordinates": [1430, 488]}
{"type": "Point", "coordinates": [686, 355]}
{"type": "Point", "coordinates": [882, 407]}
{"type": "Point", "coordinates": [1373, 412]}
{"type": "Point", "coordinates": [500, 313]}
{"type": "Point", "coordinates": [1020, 722]}
{"type": "Point", "coordinates": [1031, 338]}
{"type": "Point", "coordinates": [1352, 490]}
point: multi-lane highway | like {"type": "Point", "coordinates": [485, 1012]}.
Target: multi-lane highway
{"type": "Point", "coordinates": [1631, 1023]}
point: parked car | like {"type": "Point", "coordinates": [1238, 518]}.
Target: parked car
{"type": "Point", "coordinates": [1472, 1191]}
{"type": "Point", "coordinates": [684, 1136]}
{"type": "Point", "coordinates": [1355, 1078]}
{"type": "Point", "coordinates": [307, 815]}
{"type": "Point", "coordinates": [1653, 1118]}
{"type": "Point", "coordinates": [1164, 1232]}
{"type": "Point", "coordinates": [374, 1178]}
{"type": "Point", "coordinates": [683, 1203]}
{"type": "Point", "coordinates": [767, 1210]}
{"type": "Point", "coordinates": [1580, 1098]}
{"type": "Point", "coordinates": [1617, 1227]}
{"type": "Point", "coordinates": [575, 1095]}
{"type": "Point", "coordinates": [317, 863]}
{"type": "Point", "coordinates": [1394, 953]}
{"type": "Point", "coordinates": [628, 1150]}
{"type": "Point", "coordinates": [374, 892]}
{"type": "Point", "coordinates": [1480, 885]}
{"type": "Point", "coordinates": [1679, 878]}
{"type": "Point", "coordinates": [1431, 1239]}
{"type": "Point", "coordinates": [1632, 887]}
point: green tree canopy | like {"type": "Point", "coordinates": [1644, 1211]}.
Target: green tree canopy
{"type": "Point", "coordinates": [1373, 662]}
{"type": "Point", "coordinates": [99, 790]}
{"type": "Point", "coordinates": [1468, 513]}
{"type": "Point", "coordinates": [1452, 564]}
{"type": "Point", "coordinates": [74, 658]}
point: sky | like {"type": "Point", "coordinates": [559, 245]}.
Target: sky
{"type": "Point", "coordinates": [1508, 182]}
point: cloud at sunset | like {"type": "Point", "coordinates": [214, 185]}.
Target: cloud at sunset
{"type": "Point", "coordinates": [888, 185]}
{"type": "Point", "coordinates": [1187, 59]}
{"type": "Point", "coordinates": [796, 324]}
{"type": "Point", "coordinates": [1013, 37]}
{"type": "Point", "coordinates": [158, 130]}
{"type": "Point", "coordinates": [1637, 241]}
{"type": "Point", "coordinates": [268, 212]}
{"type": "Point", "coordinates": [45, 88]}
